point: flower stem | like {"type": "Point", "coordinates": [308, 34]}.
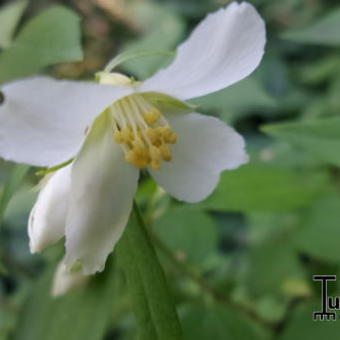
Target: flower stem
{"type": "Point", "coordinates": [153, 306]}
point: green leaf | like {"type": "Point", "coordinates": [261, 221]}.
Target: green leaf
{"type": "Point", "coordinates": [274, 268]}
{"type": "Point", "coordinates": [162, 28]}
{"type": "Point", "coordinates": [264, 187]}
{"type": "Point", "coordinates": [19, 207]}
{"type": "Point", "coordinates": [323, 32]}
{"type": "Point", "coordinates": [319, 234]}
{"type": "Point", "coordinates": [9, 19]}
{"type": "Point", "coordinates": [51, 37]}
{"type": "Point", "coordinates": [217, 322]}
{"type": "Point", "coordinates": [156, 314]}
{"type": "Point", "coordinates": [3, 269]}
{"type": "Point", "coordinates": [237, 99]}
{"type": "Point", "coordinates": [190, 233]}
{"type": "Point", "coordinates": [321, 137]}
{"type": "Point", "coordinates": [11, 187]}
{"type": "Point", "coordinates": [320, 70]}
{"type": "Point", "coordinates": [302, 326]}
{"type": "Point", "coordinates": [83, 314]}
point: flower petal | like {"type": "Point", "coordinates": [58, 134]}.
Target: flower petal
{"type": "Point", "coordinates": [206, 146]}
{"type": "Point", "coordinates": [225, 47]}
{"type": "Point", "coordinates": [43, 121]}
{"type": "Point", "coordinates": [46, 224]}
{"type": "Point", "coordinates": [65, 281]}
{"type": "Point", "coordinates": [103, 187]}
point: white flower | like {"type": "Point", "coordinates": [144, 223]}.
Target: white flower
{"type": "Point", "coordinates": [111, 131]}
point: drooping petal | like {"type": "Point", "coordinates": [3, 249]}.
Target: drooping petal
{"type": "Point", "coordinates": [43, 121]}
{"type": "Point", "coordinates": [65, 281]}
{"type": "Point", "coordinates": [103, 187]}
{"type": "Point", "coordinates": [224, 48]}
{"type": "Point", "coordinates": [46, 224]}
{"type": "Point", "coordinates": [205, 147]}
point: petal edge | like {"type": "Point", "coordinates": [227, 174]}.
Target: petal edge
{"type": "Point", "coordinates": [206, 146]}
{"type": "Point", "coordinates": [224, 48]}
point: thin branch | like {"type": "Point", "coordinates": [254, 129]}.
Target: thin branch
{"type": "Point", "coordinates": [218, 296]}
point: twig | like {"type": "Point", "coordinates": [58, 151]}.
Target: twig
{"type": "Point", "coordinates": [216, 295]}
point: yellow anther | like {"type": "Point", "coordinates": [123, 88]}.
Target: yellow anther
{"type": "Point", "coordinates": [171, 138]}
{"type": "Point", "coordinates": [117, 136]}
{"type": "Point", "coordinates": [166, 152]}
{"type": "Point", "coordinates": [168, 135]}
{"type": "Point", "coordinates": [152, 134]}
{"type": "Point", "coordinates": [152, 116]}
{"type": "Point", "coordinates": [131, 157]}
{"type": "Point", "coordinates": [156, 165]}
{"type": "Point", "coordinates": [139, 146]}
{"type": "Point", "coordinates": [160, 130]}
{"type": "Point", "coordinates": [143, 132]}
{"type": "Point", "coordinates": [155, 153]}
{"type": "Point", "coordinates": [136, 159]}
{"type": "Point", "coordinates": [127, 134]}
{"type": "Point", "coordinates": [164, 130]}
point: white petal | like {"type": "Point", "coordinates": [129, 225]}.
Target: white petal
{"type": "Point", "coordinates": [103, 187]}
{"type": "Point", "coordinates": [64, 281]}
{"type": "Point", "coordinates": [46, 223]}
{"type": "Point", "coordinates": [206, 146]}
{"type": "Point", "coordinates": [43, 121]}
{"type": "Point", "coordinates": [224, 48]}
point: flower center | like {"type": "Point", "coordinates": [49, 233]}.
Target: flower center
{"type": "Point", "coordinates": [143, 132]}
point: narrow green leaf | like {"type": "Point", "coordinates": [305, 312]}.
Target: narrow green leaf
{"type": "Point", "coordinates": [324, 31]}
{"type": "Point", "coordinates": [83, 314]}
{"type": "Point", "coordinates": [9, 18]}
{"type": "Point", "coordinates": [155, 312]}
{"type": "Point", "coordinates": [320, 137]}
{"type": "Point", "coordinates": [51, 37]}
{"type": "Point", "coordinates": [11, 187]}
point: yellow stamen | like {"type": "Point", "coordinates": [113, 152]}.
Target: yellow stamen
{"type": "Point", "coordinates": [126, 134]}
{"type": "Point", "coordinates": [143, 132]}
{"type": "Point", "coordinates": [165, 152]}
{"type": "Point", "coordinates": [117, 136]}
{"type": "Point", "coordinates": [156, 165]}
{"type": "Point", "coordinates": [152, 116]}
{"type": "Point", "coordinates": [155, 153]}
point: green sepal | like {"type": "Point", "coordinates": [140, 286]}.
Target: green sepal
{"type": "Point", "coordinates": [47, 171]}
{"type": "Point", "coordinates": [123, 57]}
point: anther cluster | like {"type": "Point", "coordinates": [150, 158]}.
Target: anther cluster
{"type": "Point", "coordinates": [142, 131]}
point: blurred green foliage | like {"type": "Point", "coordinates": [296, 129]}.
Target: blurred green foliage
{"type": "Point", "coordinates": [239, 264]}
